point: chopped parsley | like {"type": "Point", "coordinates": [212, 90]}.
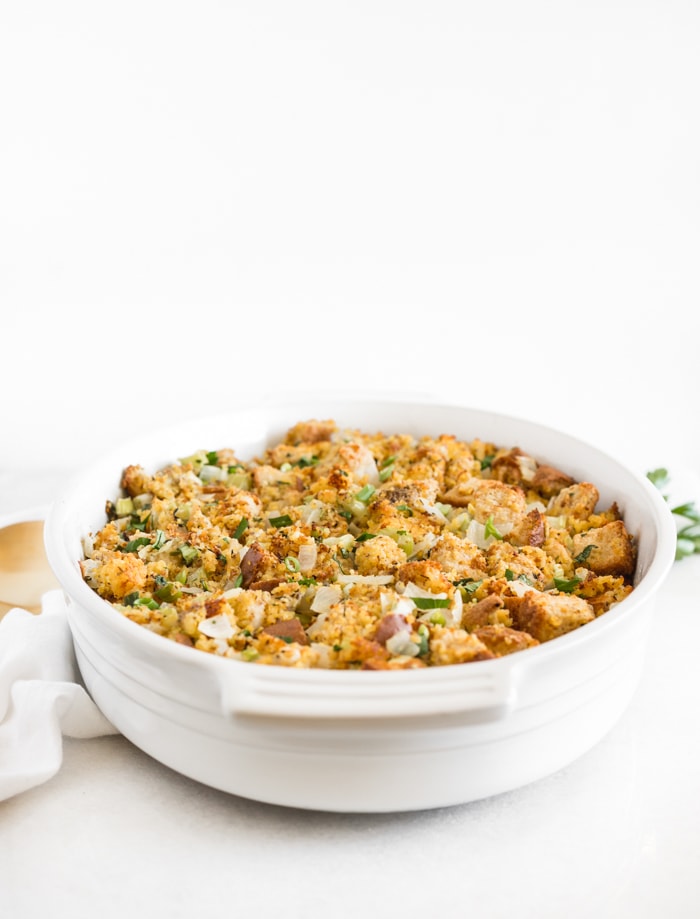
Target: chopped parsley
{"type": "Point", "coordinates": [135, 544]}
{"type": "Point", "coordinates": [584, 553]}
{"type": "Point", "coordinates": [566, 586]}
{"type": "Point", "coordinates": [431, 602]}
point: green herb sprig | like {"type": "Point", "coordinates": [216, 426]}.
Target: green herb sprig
{"type": "Point", "coordinates": [688, 536]}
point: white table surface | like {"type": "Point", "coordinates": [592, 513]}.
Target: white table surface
{"type": "Point", "coordinates": [495, 204]}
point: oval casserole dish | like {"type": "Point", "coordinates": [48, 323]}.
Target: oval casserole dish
{"type": "Point", "coordinates": [362, 741]}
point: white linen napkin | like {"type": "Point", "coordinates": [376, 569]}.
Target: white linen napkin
{"type": "Point", "coordinates": [41, 696]}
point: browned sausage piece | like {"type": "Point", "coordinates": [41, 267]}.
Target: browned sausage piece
{"type": "Point", "coordinates": [250, 563]}
{"type": "Point", "coordinates": [288, 629]}
{"type": "Point", "coordinates": [388, 626]}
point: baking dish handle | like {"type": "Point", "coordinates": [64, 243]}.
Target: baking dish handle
{"type": "Point", "coordinates": [483, 691]}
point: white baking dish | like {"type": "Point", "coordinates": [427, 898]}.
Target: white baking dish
{"type": "Point", "coordinates": [362, 740]}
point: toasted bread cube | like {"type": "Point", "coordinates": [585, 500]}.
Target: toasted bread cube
{"type": "Point", "coordinates": [380, 555]}
{"type": "Point", "coordinates": [456, 646]}
{"type": "Point", "coordinates": [577, 500]}
{"type": "Point", "coordinates": [613, 551]}
{"type": "Point", "coordinates": [459, 558]}
{"type": "Point", "coordinates": [489, 611]}
{"type": "Point", "coordinates": [501, 640]}
{"type": "Point", "coordinates": [550, 481]}
{"type": "Point", "coordinates": [546, 616]}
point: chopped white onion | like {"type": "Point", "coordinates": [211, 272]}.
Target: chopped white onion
{"type": "Point", "coordinates": [476, 533]}
{"type": "Point", "coordinates": [212, 473]}
{"type": "Point", "coordinates": [413, 590]}
{"type": "Point", "coordinates": [308, 553]}
{"type": "Point", "coordinates": [257, 614]}
{"type": "Point", "coordinates": [316, 626]}
{"type": "Point", "coordinates": [366, 470]}
{"type": "Point", "coordinates": [528, 467]}
{"type": "Point", "coordinates": [324, 655]}
{"type": "Point", "coordinates": [453, 614]}
{"type": "Point", "coordinates": [325, 598]}
{"type": "Point", "coordinates": [310, 513]}
{"type": "Point", "coordinates": [231, 592]}
{"type": "Point", "coordinates": [400, 644]}
{"type": "Point", "coordinates": [217, 627]}
{"type": "Point", "coordinates": [433, 510]}
{"type": "Point", "coordinates": [423, 546]}
{"type": "Point", "coordinates": [391, 603]}
{"type": "Point", "coordinates": [346, 541]}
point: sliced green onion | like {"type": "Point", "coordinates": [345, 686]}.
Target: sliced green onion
{"type": "Point", "coordinates": [241, 528]}
{"type": "Point", "coordinates": [306, 461]}
{"type": "Point", "coordinates": [363, 537]}
{"type": "Point", "coordinates": [423, 635]}
{"type": "Point", "coordinates": [189, 553]}
{"type": "Point", "coordinates": [240, 480]}
{"type": "Point", "coordinates": [131, 598]}
{"type": "Point", "coordinates": [438, 619]}
{"type": "Point", "coordinates": [167, 593]}
{"type": "Point", "coordinates": [148, 602]}
{"type": "Point", "coordinates": [386, 468]}
{"type": "Point", "coordinates": [212, 458]}
{"type": "Point", "coordinates": [238, 581]}
{"type": "Point", "coordinates": [285, 467]}
{"type": "Point", "coordinates": [124, 507]}
{"type": "Point", "coordinates": [196, 460]}
{"type": "Point", "coordinates": [160, 539]}
{"type": "Point", "coordinates": [292, 564]}
{"type": "Point", "coordinates": [284, 521]}
{"type": "Point", "coordinates": [405, 510]}
{"type": "Point", "coordinates": [490, 530]}
{"type": "Point", "coordinates": [365, 493]}
{"type": "Point", "coordinates": [487, 460]}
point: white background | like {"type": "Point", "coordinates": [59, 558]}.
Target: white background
{"type": "Point", "coordinates": [492, 203]}
{"type": "Point", "coordinates": [496, 203]}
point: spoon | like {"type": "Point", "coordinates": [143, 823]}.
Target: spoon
{"type": "Point", "coordinates": [25, 574]}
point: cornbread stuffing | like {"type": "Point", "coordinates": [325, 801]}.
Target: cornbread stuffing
{"type": "Point", "coordinates": [348, 550]}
